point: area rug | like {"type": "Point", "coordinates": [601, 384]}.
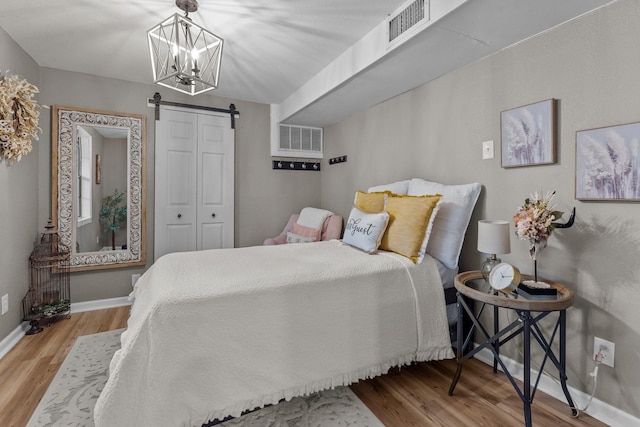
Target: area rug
{"type": "Point", "coordinates": [72, 394]}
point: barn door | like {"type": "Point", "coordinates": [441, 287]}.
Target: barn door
{"type": "Point", "coordinates": [194, 181]}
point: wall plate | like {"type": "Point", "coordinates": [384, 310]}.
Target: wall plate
{"type": "Point", "coordinates": [608, 349]}
{"type": "Point", "coordinates": [487, 150]}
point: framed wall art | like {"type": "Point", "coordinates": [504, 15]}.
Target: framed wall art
{"type": "Point", "coordinates": [608, 163]}
{"type": "Point", "coordinates": [529, 135]}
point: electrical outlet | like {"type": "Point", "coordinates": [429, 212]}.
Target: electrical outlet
{"type": "Point", "coordinates": [487, 150]}
{"type": "Point", "coordinates": [5, 303]}
{"type": "Point", "coordinates": [604, 351]}
{"type": "Point", "coordinates": [134, 279]}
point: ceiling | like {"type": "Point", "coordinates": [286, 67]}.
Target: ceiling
{"type": "Point", "coordinates": [273, 48]}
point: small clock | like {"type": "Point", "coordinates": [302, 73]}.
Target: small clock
{"type": "Point", "coordinates": [504, 277]}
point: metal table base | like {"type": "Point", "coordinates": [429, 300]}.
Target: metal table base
{"type": "Point", "coordinates": [527, 325]}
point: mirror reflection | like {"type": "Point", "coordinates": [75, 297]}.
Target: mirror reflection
{"type": "Point", "coordinates": [101, 181]}
{"type": "Point", "coordinates": [98, 195]}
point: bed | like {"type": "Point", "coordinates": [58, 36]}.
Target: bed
{"type": "Point", "coordinates": [215, 333]}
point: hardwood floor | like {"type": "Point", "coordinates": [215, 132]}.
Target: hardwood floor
{"type": "Point", "coordinates": [418, 396]}
{"type": "Point", "coordinates": [412, 396]}
{"type": "Point", "coordinates": [27, 370]}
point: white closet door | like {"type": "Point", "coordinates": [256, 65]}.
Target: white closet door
{"type": "Point", "coordinates": [215, 182]}
{"type": "Point", "coordinates": [194, 181]}
{"type": "Point", "coordinates": [175, 205]}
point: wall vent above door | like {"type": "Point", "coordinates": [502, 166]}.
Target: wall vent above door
{"type": "Point", "coordinates": [408, 17]}
{"type": "Point", "coordinates": [299, 141]}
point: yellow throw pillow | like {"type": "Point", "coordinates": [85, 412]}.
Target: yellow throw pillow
{"type": "Point", "coordinates": [410, 220]}
{"type": "Point", "coordinates": [370, 202]}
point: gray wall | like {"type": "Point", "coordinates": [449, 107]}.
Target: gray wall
{"type": "Point", "coordinates": [435, 132]}
{"type": "Point", "coordinates": [264, 198]}
{"type": "Point", "coordinates": [19, 224]}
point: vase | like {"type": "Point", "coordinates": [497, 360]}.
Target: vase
{"type": "Point", "coordinates": [534, 251]}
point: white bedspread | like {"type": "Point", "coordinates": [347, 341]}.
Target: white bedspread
{"type": "Point", "coordinates": [214, 333]}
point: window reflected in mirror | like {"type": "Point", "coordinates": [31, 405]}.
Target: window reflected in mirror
{"type": "Point", "coordinates": [85, 186]}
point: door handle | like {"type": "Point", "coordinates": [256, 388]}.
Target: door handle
{"type": "Point", "coordinates": [179, 215]}
{"type": "Point", "coordinates": [213, 215]}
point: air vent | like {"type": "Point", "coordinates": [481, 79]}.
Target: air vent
{"type": "Point", "coordinates": [408, 17]}
{"type": "Point", "coordinates": [298, 140]}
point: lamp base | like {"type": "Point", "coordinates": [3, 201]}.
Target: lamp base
{"type": "Point", "coordinates": [488, 265]}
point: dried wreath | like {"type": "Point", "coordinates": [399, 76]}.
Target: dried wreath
{"type": "Point", "coordinates": [19, 117]}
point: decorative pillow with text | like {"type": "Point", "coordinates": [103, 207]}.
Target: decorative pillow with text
{"type": "Point", "coordinates": [364, 230]}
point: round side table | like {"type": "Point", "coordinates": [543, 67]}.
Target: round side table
{"type": "Point", "coordinates": [474, 292]}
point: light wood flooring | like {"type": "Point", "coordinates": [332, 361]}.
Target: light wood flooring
{"type": "Point", "coordinates": [412, 396]}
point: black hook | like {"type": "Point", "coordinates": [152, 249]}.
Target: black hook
{"type": "Point", "coordinates": [569, 223]}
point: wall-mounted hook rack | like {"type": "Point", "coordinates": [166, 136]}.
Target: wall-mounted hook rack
{"type": "Point", "coordinates": [336, 160]}
{"type": "Point", "coordinates": [291, 165]}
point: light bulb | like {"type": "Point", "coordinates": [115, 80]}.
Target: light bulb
{"type": "Point", "coordinates": [194, 62]}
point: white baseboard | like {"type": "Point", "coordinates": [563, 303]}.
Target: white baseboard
{"type": "Point", "coordinates": [16, 335]}
{"type": "Point", "coordinates": [598, 409]}
{"type": "Point", "coordinates": [101, 304]}
{"type": "Point", "coordinates": [12, 339]}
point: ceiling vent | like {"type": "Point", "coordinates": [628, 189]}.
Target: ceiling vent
{"type": "Point", "coordinates": [407, 21]}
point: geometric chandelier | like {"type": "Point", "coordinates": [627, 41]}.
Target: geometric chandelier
{"type": "Point", "coordinates": [185, 56]}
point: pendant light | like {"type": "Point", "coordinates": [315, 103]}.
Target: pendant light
{"type": "Point", "coordinates": [184, 56]}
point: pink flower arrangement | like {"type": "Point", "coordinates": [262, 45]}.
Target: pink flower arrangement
{"type": "Point", "coordinates": [534, 220]}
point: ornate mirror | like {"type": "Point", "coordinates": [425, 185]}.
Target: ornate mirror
{"type": "Point", "coordinates": [98, 192]}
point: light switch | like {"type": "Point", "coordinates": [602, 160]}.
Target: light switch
{"type": "Point", "coordinates": [487, 150]}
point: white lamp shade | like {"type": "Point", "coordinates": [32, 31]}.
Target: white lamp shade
{"type": "Point", "coordinates": [493, 237]}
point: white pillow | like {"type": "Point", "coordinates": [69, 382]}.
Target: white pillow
{"type": "Point", "coordinates": [296, 238]}
{"type": "Point", "coordinates": [399, 187]}
{"type": "Point", "coordinates": [364, 230]}
{"type": "Point", "coordinates": [454, 213]}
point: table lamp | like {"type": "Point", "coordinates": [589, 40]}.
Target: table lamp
{"type": "Point", "coordinates": [493, 239]}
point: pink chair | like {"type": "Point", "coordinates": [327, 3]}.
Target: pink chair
{"type": "Point", "coordinates": [331, 229]}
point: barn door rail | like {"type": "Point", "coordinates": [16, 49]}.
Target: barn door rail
{"type": "Point", "coordinates": [157, 101]}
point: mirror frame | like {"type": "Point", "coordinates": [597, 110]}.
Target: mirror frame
{"type": "Point", "coordinates": [64, 121]}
